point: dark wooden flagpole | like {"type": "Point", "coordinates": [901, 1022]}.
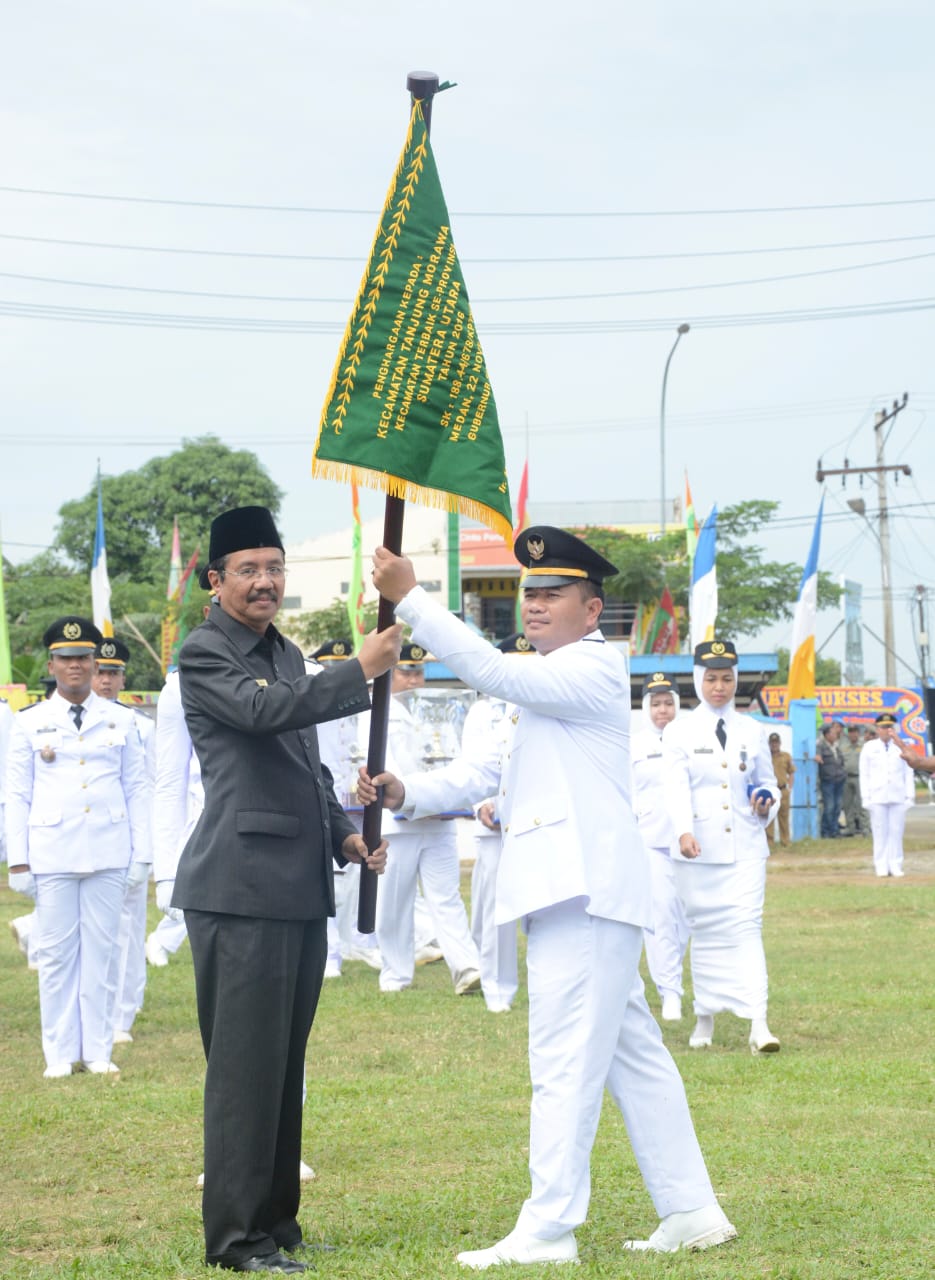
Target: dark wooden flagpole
{"type": "Point", "coordinates": [422, 86]}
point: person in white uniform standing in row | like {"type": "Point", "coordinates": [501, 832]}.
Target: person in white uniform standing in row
{"type": "Point", "coordinates": [129, 961]}
{"type": "Point", "coordinates": [77, 816]}
{"type": "Point", "coordinates": [722, 795]}
{"type": "Point", "coordinates": [487, 727]}
{"type": "Point", "coordinates": [573, 868]}
{"type": "Point", "coordinates": [668, 938]}
{"type": "Point", "coordinates": [423, 850]}
{"type": "Point", "coordinates": [887, 788]}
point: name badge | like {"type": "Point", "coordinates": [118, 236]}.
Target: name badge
{"type": "Point", "coordinates": [264, 684]}
{"type": "Point", "coordinates": [704, 751]}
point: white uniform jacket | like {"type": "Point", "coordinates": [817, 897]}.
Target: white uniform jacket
{"type": "Point", "coordinates": [487, 728]}
{"type": "Point", "coordinates": [179, 796]}
{"type": "Point", "coordinates": [707, 787]}
{"type": "Point", "coordinates": [885, 778]}
{"type": "Point", "coordinates": [6, 724]}
{"type": "Point", "coordinates": [77, 801]}
{"type": "Point", "coordinates": [649, 798]}
{"type": "Point", "coordinates": [564, 786]}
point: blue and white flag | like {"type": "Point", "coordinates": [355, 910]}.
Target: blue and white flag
{"type": "Point", "coordinates": [702, 604]}
{"type": "Point", "coordinates": [802, 650]}
{"type": "Point", "coordinates": [100, 583]}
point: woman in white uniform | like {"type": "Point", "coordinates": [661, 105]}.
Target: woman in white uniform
{"type": "Point", "coordinates": [722, 795]}
{"type": "Point", "coordinates": [887, 788]}
{"type": "Point", "coordinates": [665, 943]}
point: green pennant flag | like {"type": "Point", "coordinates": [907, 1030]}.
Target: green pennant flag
{"type": "Point", "coordinates": [410, 409]}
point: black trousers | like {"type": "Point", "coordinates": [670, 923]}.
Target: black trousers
{"type": "Point", "coordinates": [257, 984]}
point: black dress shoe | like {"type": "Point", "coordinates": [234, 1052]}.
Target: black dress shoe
{"type": "Point", "coordinates": [273, 1263]}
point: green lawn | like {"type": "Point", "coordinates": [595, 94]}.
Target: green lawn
{"type": "Point", "coordinates": [416, 1121]}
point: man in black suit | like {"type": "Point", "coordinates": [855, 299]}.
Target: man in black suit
{"type": "Point", "coordinates": [255, 882]}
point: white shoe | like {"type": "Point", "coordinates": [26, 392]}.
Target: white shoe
{"type": "Point", "coordinates": [671, 1007]}
{"type": "Point", "coordinates": [332, 968]}
{"type": "Point", "coordinates": [897, 874]}
{"type": "Point", "coordinates": [156, 954]}
{"type": "Point", "coordinates": [703, 1033]}
{"type": "Point", "coordinates": [428, 954]}
{"type": "Point", "coordinates": [762, 1039]}
{"type": "Point", "coordinates": [201, 1180]}
{"type": "Point", "coordinates": [369, 955]}
{"type": "Point", "coordinates": [57, 1071]}
{"type": "Point", "coordinates": [494, 1007]}
{"type": "Point", "coordinates": [699, 1229]}
{"type": "Point", "coordinates": [122, 1037]}
{"type": "Point", "coordinates": [523, 1249]}
{"type": "Point", "coordinates": [467, 982]}
{"type": "Point", "coordinates": [102, 1068]}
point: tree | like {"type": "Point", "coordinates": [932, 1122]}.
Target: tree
{"type": "Point", "coordinates": [827, 670]}
{"type": "Point", "coordinates": [752, 592]}
{"type": "Point", "coordinates": [196, 482]}
{"type": "Point", "coordinates": [309, 630]}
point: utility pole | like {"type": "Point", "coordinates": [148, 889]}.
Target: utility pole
{"type": "Point", "coordinates": [883, 536]}
{"type": "Point", "coordinates": [921, 594]}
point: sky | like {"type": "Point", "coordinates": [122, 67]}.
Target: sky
{"type": "Point", "coordinates": [612, 169]}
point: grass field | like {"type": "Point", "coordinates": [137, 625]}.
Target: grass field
{"type": "Point", "coordinates": [416, 1121]}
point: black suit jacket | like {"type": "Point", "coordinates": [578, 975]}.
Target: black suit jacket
{"type": "Point", "coordinates": [271, 823]}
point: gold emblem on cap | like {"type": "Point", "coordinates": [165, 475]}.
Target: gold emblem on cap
{"type": "Point", "coordinates": [660, 675]}
{"type": "Point", "coordinates": [717, 647]}
{"type": "Point", "coordinates": [522, 645]}
{"type": "Point", "coordinates": [72, 631]}
{"type": "Point", "coordinates": [108, 650]}
{"type": "Point", "coordinates": [339, 649]}
{"type": "Point", "coordinates": [417, 652]}
{"type": "Point", "coordinates": [535, 547]}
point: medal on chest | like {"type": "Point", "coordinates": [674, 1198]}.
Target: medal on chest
{"type": "Point", "coordinates": [743, 759]}
{"type": "Point", "coordinates": [47, 754]}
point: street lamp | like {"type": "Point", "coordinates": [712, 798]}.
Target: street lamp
{"type": "Point", "coordinates": [680, 331]}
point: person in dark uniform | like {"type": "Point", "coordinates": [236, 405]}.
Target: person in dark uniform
{"type": "Point", "coordinates": [255, 883]}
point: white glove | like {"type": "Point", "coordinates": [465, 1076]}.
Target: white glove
{"type": "Point", "coordinates": [164, 891]}
{"type": "Point", "coordinates": [138, 873]}
{"type": "Point", "coordinates": [22, 882]}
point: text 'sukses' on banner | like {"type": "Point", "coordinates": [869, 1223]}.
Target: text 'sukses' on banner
{"type": "Point", "coordinates": [410, 409]}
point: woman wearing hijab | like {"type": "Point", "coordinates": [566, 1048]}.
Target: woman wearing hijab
{"type": "Point", "coordinates": [722, 794]}
{"type": "Point", "coordinates": [666, 942]}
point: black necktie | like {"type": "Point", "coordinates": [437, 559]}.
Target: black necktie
{"type": "Point", "coordinates": [77, 712]}
{"type": "Point", "coordinates": [721, 734]}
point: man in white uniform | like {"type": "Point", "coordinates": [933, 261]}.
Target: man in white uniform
{"type": "Point", "coordinates": [129, 961]}
{"type": "Point", "coordinates": [77, 817]}
{"type": "Point", "coordinates": [887, 788]}
{"type": "Point", "coordinates": [340, 751]}
{"type": "Point", "coordinates": [573, 868]}
{"type": "Point", "coordinates": [668, 938]}
{"type": "Point", "coordinates": [424, 849]}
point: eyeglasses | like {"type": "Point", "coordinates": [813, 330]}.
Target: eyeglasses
{"type": "Point", "coordinates": [276, 571]}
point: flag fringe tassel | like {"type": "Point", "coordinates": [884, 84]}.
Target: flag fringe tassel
{"type": "Point", "coordinates": [409, 491]}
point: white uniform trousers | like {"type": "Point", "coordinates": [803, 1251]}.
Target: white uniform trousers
{"type": "Point", "coordinates": [665, 945]}
{"type": "Point", "coordinates": [496, 944]}
{"type": "Point", "coordinates": [129, 959]}
{"type": "Point", "coordinates": [887, 823]}
{"type": "Point", "coordinates": [432, 857]}
{"type": "Point", "coordinates": [724, 909]}
{"type": "Point", "coordinates": [170, 934]}
{"type": "Point", "coordinates": [590, 1027]}
{"type": "Point", "coordinates": [79, 916]}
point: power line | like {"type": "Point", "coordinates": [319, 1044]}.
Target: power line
{"type": "Point", "coordinates": [254, 324]}
{"type": "Point", "coordinates": [554, 297]}
{"type": "Point", "coordinates": [473, 213]}
{"type": "Point", "coordinates": [502, 261]}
